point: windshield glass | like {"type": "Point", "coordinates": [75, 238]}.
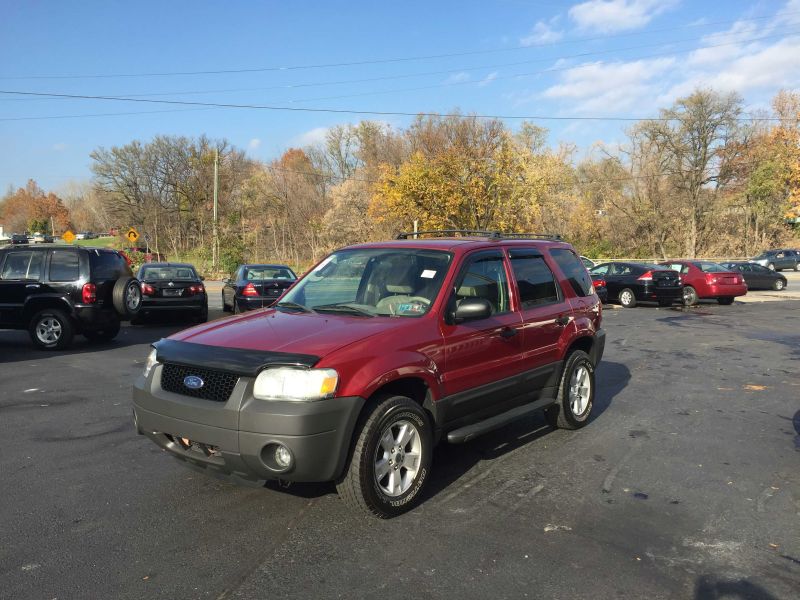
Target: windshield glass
{"type": "Point", "coordinates": [710, 267]}
{"type": "Point", "coordinates": [268, 272]}
{"type": "Point", "coordinates": [373, 282]}
{"type": "Point", "coordinates": [168, 274]}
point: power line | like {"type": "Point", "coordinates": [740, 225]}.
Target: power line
{"type": "Point", "coordinates": [462, 69]}
{"type": "Point", "coordinates": [385, 60]}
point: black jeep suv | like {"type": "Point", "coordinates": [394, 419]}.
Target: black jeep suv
{"type": "Point", "coordinates": [57, 292]}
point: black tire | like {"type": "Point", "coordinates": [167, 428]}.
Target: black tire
{"type": "Point", "coordinates": [561, 414]}
{"type": "Point", "coordinates": [779, 285]}
{"type": "Point", "coordinates": [61, 330]}
{"type": "Point", "coordinates": [127, 297]}
{"type": "Point", "coordinates": [236, 309]}
{"type": "Point", "coordinates": [725, 300]}
{"type": "Point", "coordinates": [665, 303]}
{"type": "Point", "coordinates": [627, 298]}
{"type": "Point", "coordinates": [797, 266]}
{"type": "Point", "coordinates": [359, 486]}
{"type": "Point", "coordinates": [106, 334]}
{"type": "Point", "coordinates": [202, 317]}
{"type": "Point", "coordinates": [690, 297]}
{"type": "Point", "coordinates": [225, 307]}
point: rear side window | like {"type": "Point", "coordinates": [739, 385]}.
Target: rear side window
{"type": "Point", "coordinates": [535, 280]}
{"type": "Point", "coordinates": [573, 268]}
{"type": "Point", "coordinates": [23, 265]}
{"type": "Point", "coordinates": [486, 278]}
{"type": "Point", "coordinates": [65, 266]}
{"type": "Point", "coordinates": [106, 265]}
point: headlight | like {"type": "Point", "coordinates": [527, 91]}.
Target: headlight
{"type": "Point", "coordinates": [150, 362]}
{"type": "Point", "coordinates": [287, 383]}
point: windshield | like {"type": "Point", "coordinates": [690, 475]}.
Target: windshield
{"type": "Point", "coordinates": [373, 282]}
{"type": "Point", "coordinates": [268, 272]}
{"type": "Point", "coordinates": [168, 274]}
{"type": "Point", "coordinates": [710, 267]}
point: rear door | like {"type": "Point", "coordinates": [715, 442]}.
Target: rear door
{"type": "Point", "coordinates": [483, 358]}
{"type": "Point", "coordinates": [20, 278]}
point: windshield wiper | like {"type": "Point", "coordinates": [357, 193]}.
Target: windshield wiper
{"type": "Point", "coordinates": [294, 305]}
{"type": "Point", "coordinates": [344, 307]}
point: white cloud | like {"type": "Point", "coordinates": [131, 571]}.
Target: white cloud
{"type": "Point", "coordinates": [59, 147]}
{"type": "Point", "coordinates": [488, 79]}
{"type": "Point", "coordinates": [609, 16]}
{"type": "Point", "coordinates": [542, 33]}
{"type": "Point", "coordinates": [458, 77]}
{"type": "Point", "coordinates": [607, 88]}
{"type": "Point", "coordinates": [254, 144]}
{"type": "Point", "coordinates": [311, 137]}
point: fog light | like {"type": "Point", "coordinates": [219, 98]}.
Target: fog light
{"type": "Point", "coordinates": [283, 458]}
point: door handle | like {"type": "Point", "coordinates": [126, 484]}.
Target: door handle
{"type": "Point", "coordinates": [562, 320]}
{"type": "Point", "coordinates": [508, 333]}
{"type": "Point", "coordinates": [32, 285]}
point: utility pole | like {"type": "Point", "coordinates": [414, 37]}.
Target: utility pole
{"type": "Point", "coordinates": [215, 249]}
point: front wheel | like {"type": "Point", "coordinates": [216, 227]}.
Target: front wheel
{"type": "Point", "coordinates": [627, 298]}
{"type": "Point", "coordinates": [690, 296]}
{"type": "Point", "coordinates": [390, 460]}
{"type": "Point", "coordinates": [51, 329]}
{"type": "Point", "coordinates": [778, 285]}
{"type": "Point", "coordinates": [575, 393]}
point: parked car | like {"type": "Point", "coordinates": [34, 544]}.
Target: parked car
{"type": "Point", "coordinates": [255, 286]}
{"type": "Point", "coordinates": [19, 238]}
{"type": "Point", "coordinates": [600, 288]}
{"type": "Point", "coordinates": [778, 260]}
{"type": "Point", "coordinates": [82, 235]}
{"type": "Point", "coordinates": [587, 262]}
{"type": "Point", "coordinates": [378, 352]}
{"type": "Point", "coordinates": [757, 277]}
{"type": "Point", "coordinates": [708, 280]}
{"type": "Point", "coordinates": [56, 293]}
{"type": "Point", "coordinates": [173, 289]}
{"type": "Point", "coordinates": [629, 283]}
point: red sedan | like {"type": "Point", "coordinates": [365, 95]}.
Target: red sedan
{"type": "Point", "coordinates": [708, 280]}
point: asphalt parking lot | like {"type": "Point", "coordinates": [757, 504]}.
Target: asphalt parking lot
{"type": "Point", "coordinates": [686, 484]}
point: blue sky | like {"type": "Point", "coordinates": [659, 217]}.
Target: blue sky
{"type": "Point", "coordinates": [613, 58]}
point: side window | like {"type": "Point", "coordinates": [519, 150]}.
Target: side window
{"type": "Point", "coordinates": [65, 266]}
{"type": "Point", "coordinates": [22, 265]}
{"type": "Point", "coordinates": [106, 265]}
{"type": "Point", "coordinates": [535, 280]}
{"type": "Point", "coordinates": [486, 278]}
{"type": "Point", "coordinates": [574, 270]}
{"type": "Point", "coordinates": [599, 270]}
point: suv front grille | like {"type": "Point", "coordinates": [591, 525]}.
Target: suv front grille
{"type": "Point", "coordinates": [217, 386]}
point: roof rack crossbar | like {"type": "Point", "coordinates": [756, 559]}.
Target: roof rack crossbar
{"type": "Point", "coordinates": [495, 235]}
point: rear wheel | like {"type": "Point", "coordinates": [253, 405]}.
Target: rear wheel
{"type": "Point", "coordinates": [725, 300]}
{"type": "Point", "coordinates": [203, 316]}
{"type": "Point", "coordinates": [106, 334]}
{"type": "Point", "coordinates": [627, 298]}
{"type": "Point", "coordinates": [390, 460]}
{"type": "Point", "coordinates": [797, 266]}
{"type": "Point", "coordinates": [778, 285]}
{"type": "Point", "coordinates": [575, 393]}
{"type": "Point", "coordinates": [225, 307]}
{"type": "Point", "coordinates": [690, 296]}
{"type": "Point", "coordinates": [51, 329]}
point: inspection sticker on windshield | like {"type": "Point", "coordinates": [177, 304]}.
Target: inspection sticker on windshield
{"type": "Point", "coordinates": [428, 274]}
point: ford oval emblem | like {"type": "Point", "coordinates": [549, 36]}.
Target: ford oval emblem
{"type": "Point", "coordinates": [193, 382]}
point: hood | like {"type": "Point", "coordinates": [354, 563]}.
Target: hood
{"type": "Point", "coordinates": [283, 331]}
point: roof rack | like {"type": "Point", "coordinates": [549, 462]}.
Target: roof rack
{"type": "Point", "coordinates": [493, 235]}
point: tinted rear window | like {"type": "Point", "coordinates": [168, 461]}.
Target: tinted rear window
{"type": "Point", "coordinates": [534, 279]}
{"type": "Point", "coordinates": [168, 273]}
{"type": "Point", "coordinates": [261, 273]}
{"type": "Point", "coordinates": [65, 265]}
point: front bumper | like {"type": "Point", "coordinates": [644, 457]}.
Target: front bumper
{"type": "Point", "coordinates": [237, 438]}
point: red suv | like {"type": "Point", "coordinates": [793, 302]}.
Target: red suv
{"type": "Point", "coordinates": [703, 279]}
{"type": "Point", "coordinates": [376, 354]}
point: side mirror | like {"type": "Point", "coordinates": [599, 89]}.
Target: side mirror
{"type": "Point", "coordinates": [471, 309]}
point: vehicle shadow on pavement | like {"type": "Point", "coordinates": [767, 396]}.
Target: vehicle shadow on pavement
{"type": "Point", "coordinates": [709, 587]}
{"type": "Point", "coordinates": [453, 461]}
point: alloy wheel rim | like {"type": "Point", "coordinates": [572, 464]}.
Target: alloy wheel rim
{"type": "Point", "coordinates": [779, 285]}
{"type": "Point", "coordinates": [626, 297]}
{"type": "Point", "coordinates": [397, 458]}
{"type": "Point", "coordinates": [133, 297]}
{"type": "Point", "coordinates": [580, 390]}
{"type": "Point", "coordinates": [48, 330]}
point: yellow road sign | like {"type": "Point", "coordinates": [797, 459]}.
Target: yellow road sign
{"type": "Point", "coordinates": [132, 235]}
{"type": "Point", "coordinates": [68, 236]}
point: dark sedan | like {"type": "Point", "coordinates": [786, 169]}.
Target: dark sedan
{"type": "Point", "coordinates": [757, 277]}
{"type": "Point", "coordinates": [256, 286]}
{"type": "Point", "coordinates": [173, 289]}
{"type": "Point", "coordinates": [600, 288]}
{"type": "Point", "coordinates": [629, 283]}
